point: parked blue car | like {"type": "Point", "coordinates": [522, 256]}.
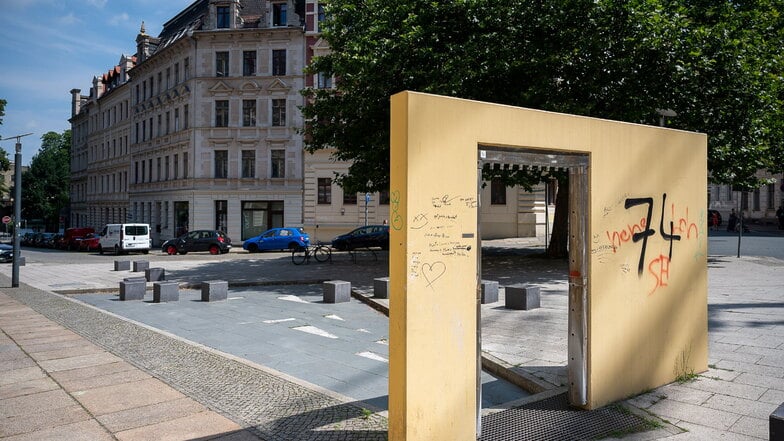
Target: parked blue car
{"type": "Point", "coordinates": [278, 239]}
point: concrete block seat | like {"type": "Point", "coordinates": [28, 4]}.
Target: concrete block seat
{"type": "Point", "coordinates": [165, 292]}
{"type": "Point", "coordinates": [489, 290]}
{"type": "Point", "coordinates": [381, 288]}
{"type": "Point", "coordinates": [337, 291]}
{"type": "Point", "coordinates": [122, 265]}
{"type": "Point", "coordinates": [133, 288]}
{"type": "Point", "coordinates": [522, 297]}
{"type": "Point", "coordinates": [213, 290]}
{"type": "Point", "coordinates": [155, 274]}
{"type": "Point", "coordinates": [140, 265]}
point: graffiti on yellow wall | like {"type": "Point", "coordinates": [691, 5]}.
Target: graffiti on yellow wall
{"type": "Point", "coordinates": [675, 227]}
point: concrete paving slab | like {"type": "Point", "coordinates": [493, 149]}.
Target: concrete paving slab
{"type": "Point", "coordinates": [756, 427]}
{"type": "Point", "coordinates": [114, 398]}
{"type": "Point", "coordinates": [79, 431]}
{"type": "Point", "coordinates": [694, 414]}
{"type": "Point", "coordinates": [27, 387]}
{"type": "Point", "coordinates": [17, 362]}
{"type": "Point", "coordinates": [66, 352]}
{"type": "Point", "coordinates": [79, 361]}
{"type": "Point", "coordinates": [740, 406]}
{"type": "Point", "coordinates": [201, 425]}
{"type": "Point", "coordinates": [93, 382]}
{"type": "Point", "coordinates": [44, 418]}
{"type": "Point", "coordinates": [149, 415]}
{"type": "Point", "coordinates": [27, 404]}
{"type": "Point", "coordinates": [86, 373]}
{"type": "Point", "coordinates": [21, 375]}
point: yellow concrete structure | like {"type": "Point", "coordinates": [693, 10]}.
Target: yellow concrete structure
{"type": "Point", "coordinates": [643, 241]}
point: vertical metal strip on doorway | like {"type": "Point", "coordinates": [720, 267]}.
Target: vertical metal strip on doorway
{"type": "Point", "coordinates": [578, 290]}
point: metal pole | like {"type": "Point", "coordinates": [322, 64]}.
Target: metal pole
{"type": "Point", "coordinates": [17, 213]}
{"type": "Point", "coordinates": [739, 223]}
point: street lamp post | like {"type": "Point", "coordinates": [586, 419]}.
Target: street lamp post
{"type": "Point", "coordinates": [17, 208]}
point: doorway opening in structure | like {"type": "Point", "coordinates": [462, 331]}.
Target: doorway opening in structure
{"type": "Point", "coordinates": [551, 342]}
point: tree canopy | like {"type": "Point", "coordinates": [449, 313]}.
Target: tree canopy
{"type": "Point", "coordinates": [46, 183]}
{"type": "Point", "coordinates": [716, 63]}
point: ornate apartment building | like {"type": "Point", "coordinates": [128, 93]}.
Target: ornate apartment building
{"type": "Point", "coordinates": [199, 129]}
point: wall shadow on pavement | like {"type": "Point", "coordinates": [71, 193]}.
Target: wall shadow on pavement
{"type": "Point", "coordinates": [717, 308]}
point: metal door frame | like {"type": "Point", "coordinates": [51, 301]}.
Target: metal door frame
{"type": "Point", "coordinates": [577, 165]}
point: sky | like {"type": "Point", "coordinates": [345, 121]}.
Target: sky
{"type": "Point", "coordinates": [48, 47]}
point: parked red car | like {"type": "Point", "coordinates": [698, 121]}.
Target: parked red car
{"type": "Point", "coordinates": [72, 235]}
{"type": "Point", "coordinates": [90, 242]}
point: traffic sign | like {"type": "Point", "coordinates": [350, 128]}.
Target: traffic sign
{"type": "Point", "coordinates": [6, 219]}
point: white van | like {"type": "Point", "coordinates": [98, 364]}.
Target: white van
{"type": "Point", "coordinates": [123, 238]}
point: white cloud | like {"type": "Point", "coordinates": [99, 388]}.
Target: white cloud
{"type": "Point", "coordinates": [97, 3]}
{"type": "Point", "coordinates": [120, 19]}
{"type": "Point", "coordinates": [69, 19]}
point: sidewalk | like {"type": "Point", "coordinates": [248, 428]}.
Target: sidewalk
{"type": "Point", "coordinates": [733, 400]}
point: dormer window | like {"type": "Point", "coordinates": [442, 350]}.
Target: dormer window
{"type": "Point", "coordinates": [279, 14]}
{"type": "Point", "coordinates": [222, 17]}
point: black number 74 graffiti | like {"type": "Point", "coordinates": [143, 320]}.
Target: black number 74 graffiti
{"type": "Point", "coordinates": [643, 235]}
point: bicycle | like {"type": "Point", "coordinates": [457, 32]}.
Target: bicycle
{"type": "Point", "coordinates": [321, 252]}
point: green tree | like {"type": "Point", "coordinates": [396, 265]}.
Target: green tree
{"type": "Point", "coordinates": [46, 183]}
{"type": "Point", "coordinates": [2, 109]}
{"type": "Point", "coordinates": [715, 63]}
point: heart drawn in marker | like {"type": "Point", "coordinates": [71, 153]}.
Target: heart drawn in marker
{"type": "Point", "coordinates": [433, 272]}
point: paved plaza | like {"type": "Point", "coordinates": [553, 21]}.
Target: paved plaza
{"type": "Point", "coordinates": [273, 362]}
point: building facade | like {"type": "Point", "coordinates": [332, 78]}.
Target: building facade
{"type": "Point", "coordinates": [200, 129]}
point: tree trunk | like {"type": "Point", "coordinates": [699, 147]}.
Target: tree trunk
{"type": "Point", "coordinates": [559, 240]}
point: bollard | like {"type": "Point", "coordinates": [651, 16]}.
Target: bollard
{"type": "Point", "coordinates": [122, 265]}
{"type": "Point", "coordinates": [489, 291]}
{"type": "Point", "coordinates": [381, 288]}
{"type": "Point", "coordinates": [165, 292]}
{"type": "Point", "coordinates": [337, 291]}
{"type": "Point", "coordinates": [522, 297]}
{"type": "Point", "coordinates": [213, 290]}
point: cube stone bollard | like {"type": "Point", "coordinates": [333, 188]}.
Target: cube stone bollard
{"type": "Point", "coordinates": [777, 424]}
{"type": "Point", "coordinates": [140, 265]}
{"type": "Point", "coordinates": [122, 265]}
{"type": "Point", "coordinates": [213, 290]}
{"type": "Point", "coordinates": [522, 297]}
{"type": "Point", "coordinates": [381, 288]}
{"type": "Point", "coordinates": [132, 289]}
{"type": "Point", "coordinates": [337, 291]}
{"type": "Point", "coordinates": [489, 291]}
{"type": "Point", "coordinates": [165, 292]}
{"type": "Point", "coordinates": [155, 274]}
{"type": "Point", "coordinates": [135, 279]}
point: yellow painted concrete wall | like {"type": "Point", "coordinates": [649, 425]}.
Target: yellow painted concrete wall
{"type": "Point", "coordinates": [645, 327]}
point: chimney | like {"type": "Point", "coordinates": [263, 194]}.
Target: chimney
{"type": "Point", "coordinates": [76, 101]}
{"type": "Point", "coordinates": [142, 45]}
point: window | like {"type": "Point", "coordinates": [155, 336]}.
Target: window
{"type": "Point", "coordinates": [186, 69]}
{"type": "Point", "coordinates": [185, 165]}
{"type": "Point", "coordinates": [771, 196]}
{"type": "Point", "coordinates": [349, 198]}
{"type": "Point", "coordinates": [222, 13]}
{"type": "Point", "coordinates": [383, 197]}
{"type": "Point", "coordinates": [176, 166]}
{"type": "Point", "coordinates": [160, 82]}
{"type": "Point", "coordinates": [278, 161]}
{"type": "Point", "coordinates": [176, 120]}
{"type": "Point", "coordinates": [221, 64]}
{"type": "Point", "coordinates": [222, 113]}
{"type": "Point", "coordinates": [166, 169]}
{"type": "Point", "coordinates": [221, 164]}
{"type": "Point", "coordinates": [324, 190]}
{"type": "Point", "coordinates": [158, 169]}
{"type": "Point", "coordinates": [279, 62]}
{"type": "Point", "coordinates": [321, 15]}
{"type": "Point", "coordinates": [278, 14]}
{"type": "Point", "coordinates": [185, 116]}
{"type": "Point", "coordinates": [176, 73]}
{"type": "Point", "coordinates": [324, 81]}
{"type": "Point", "coordinates": [168, 122]}
{"type": "Point", "coordinates": [756, 199]}
{"type": "Point", "coordinates": [221, 215]}
{"type": "Point", "coordinates": [168, 78]}
{"type": "Point", "coordinates": [248, 163]}
{"type": "Point", "coordinates": [159, 130]}
{"type": "Point", "coordinates": [248, 63]}
{"type": "Point", "coordinates": [248, 113]}
{"type": "Point", "coordinates": [497, 192]}
{"type": "Point", "coordinates": [278, 113]}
